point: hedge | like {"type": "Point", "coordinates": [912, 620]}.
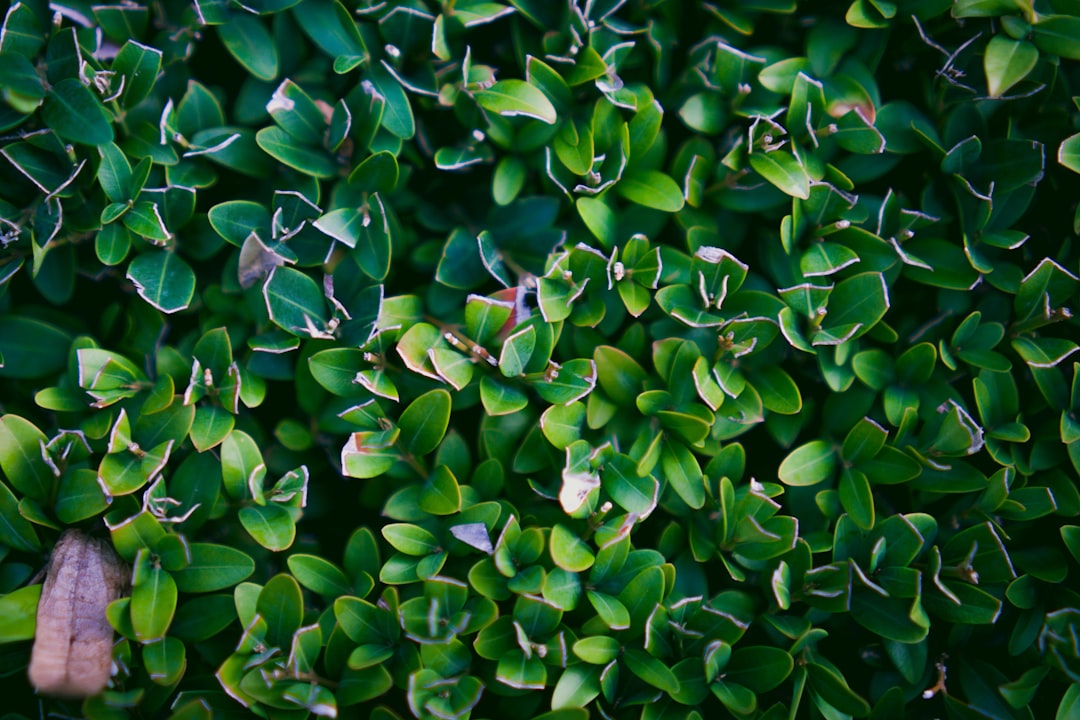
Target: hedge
{"type": "Point", "coordinates": [544, 359]}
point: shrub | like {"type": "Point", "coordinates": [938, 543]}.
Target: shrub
{"type": "Point", "coordinates": [453, 359]}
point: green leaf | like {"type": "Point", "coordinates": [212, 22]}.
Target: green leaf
{"type": "Point", "coordinates": [735, 697]}
{"type": "Point", "coordinates": [286, 149]}
{"type": "Point", "coordinates": [651, 189]}
{"type": "Point", "coordinates": [441, 494]}
{"type": "Point", "coordinates": [31, 348]}
{"type": "Point", "coordinates": [378, 172]}
{"type": "Point", "coordinates": [242, 466]}
{"type": "Point", "coordinates": [1069, 152]}
{"type": "Point", "coordinates": [597, 650]}
{"type": "Point", "coordinates": [808, 464]}
{"type": "Point", "coordinates": [294, 302]}
{"type": "Point", "coordinates": [410, 539]}
{"type": "Point", "coordinates": [759, 668]}
{"type": "Point", "coordinates": [561, 425]}
{"type": "Point", "coordinates": [568, 551]}
{"type": "Point", "coordinates": [369, 454]}
{"type": "Point", "coordinates": [576, 687]}
{"type": "Point", "coordinates": [153, 602]}
{"type": "Point", "coordinates": [516, 97]}
{"type": "Point", "coordinates": [423, 424]}
{"type": "Point", "coordinates": [500, 398]}
{"type": "Point", "coordinates": [834, 689]}
{"type": "Point", "coordinates": [861, 300]}
{"type": "Point", "coordinates": [682, 471]}
{"type": "Point", "coordinates": [21, 444]}
{"type": "Point", "coordinates": [139, 65]}
{"type": "Point", "coordinates": [114, 174]}
{"type": "Point", "coordinates": [281, 605]}
{"type": "Point", "coordinates": [330, 27]}
{"type": "Point", "coordinates": [1059, 35]}
{"type": "Point", "coordinates": [163, 280]}
{"type": "Point", "coordinates": [857, 497]}
{"type": "Point", "coordinates": [211, 426]}
{"type": "Point", "coordinates": [397, 116]}
{"type": "Point", "coordinates": [1007, 62]}
{"type": "Point", "coordinates": [271, 525]}
{"type": "Point", "coordinates": [165, 660]}
{"type": "Point", "coordinates": [72, 111]}
{"type": "Point", "coordinates": [651, 670]}
{"type": "Point", "coordinates": [250, 43]}
{"type": "Point", "coordinates": [19, 610]}
{"type": "Point", "coordinates": [212, 568]}
{"type": "Point", "coordinates": [631, 491]}
{"type": "Point", "coordinates": [516, 351]}
{"type": "Point", "coordinates": [620, 376]}
{"type": "Point", "coordinates": [16, 531]}
{"type": "Point", "coordinates": [521, 671]}
{"type": "Point", "coordinates": [784, 171]}
{"type": "Point", "coordinates": [612, 612]}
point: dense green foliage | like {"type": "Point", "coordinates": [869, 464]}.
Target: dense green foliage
{"type": "Point", "coordinates": [548, 358]}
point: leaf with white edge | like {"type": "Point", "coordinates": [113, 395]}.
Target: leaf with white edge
{"type": "Point", "coordinates": [784, 171]}
{"type": "Point", "coordinates": [369, 454]}
{"type": "Point", "coordinates": [295, 302]}
{"type": "Point", "coordinates": [516, 97]}
{"type": "Point", "coordinates": [163, 280]}
{"type": "Point", "coordinates": [516, 351]}
{"type": "Point", "coordinates": [1069, 153]}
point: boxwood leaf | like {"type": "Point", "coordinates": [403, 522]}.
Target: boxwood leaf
{"type": "Point", "coordinates": [759, 668]}
{"type": "Point", "coordinates": [271, 525]}
{"type": "Point", "coordinates": [163, 279]}
{"type": "Point", "coordinates": [165, 660]}
{"type": "Point", "coordinates": [784, 171]}
{"type": "Point", "coordinates": [281, 605]}
{"type": "Point", "coordinates": [576, 687]}
{"type": "Point", "coordinates": [330, 27]}
{"type": "Point", "coordinates": [859, 300]}
{"type": "Point", "coordinates": [213, 567]}
{"type": "Point", "coordinates": [286, 149]}
{"type": "Point", "coordinates": [612, 612]}
{"type": "Point", "coordinates": [16, 531]}
{"type": "Point", "coordinates": [651, 670]}
{"type": "Point", "coordinates": [808, 464]}
{"type": "Point", "coordinates": [516, 351]}
{"type": "Point", "coordinates": [620, 376]}
{"type": "Point", "coordinates": [516, 97]}
{"type": "Point", "coordinates": [250, 43]}
{"type": "Point", "coordinates": [294, 302]}
{"type": "Point", "coordinates": [72, 111]}
{"type": "Point", "coordinates": [1007, 62]}
{"type": "Point", "coordinates": [19, 609]}
{"type": "Point", "coordinates": [1059, 35]}
{"type": "Point", "coordinates": [834, 689]}
{"type": "Point", "coordinates": [568, 551]}
{"type": "Point", "coordinates": [423, 424]}
{"type": "Point", "coordinates": [368, 454]}
{"type": "Point", "coordinates": [651, 189]}
{"type": "Point", "coordinates": [857, 497]}
{"type": "Point", "coordinates": [21, 444]}
{"type": "Point", "coordinates": [441, 495]}
{"type": "Point", "coordinates": [153, 601]}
